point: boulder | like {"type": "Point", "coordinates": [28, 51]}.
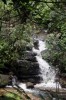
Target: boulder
{"type": "Point", "coordinates": [33, 59]}
{"type": "Point", "coordinates": [24, 70]}
{"type": "Point", "coordinates": [27, 68]}
{"type": "Point", "coordinates": [31, 78]}
{"type": "Point", "coordinates": [36, 44]}
{"type": "Point", "coordinates": [30, 56]}
{"type": "Point", "coordinates": [4, 80]}
{"type": "Point", "coordinates": [29, 85]}
{"type": "Point", "coordinates": [29, 48]}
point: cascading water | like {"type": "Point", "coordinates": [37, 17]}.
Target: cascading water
{"type": "Point", "coordinates": [46, 71]}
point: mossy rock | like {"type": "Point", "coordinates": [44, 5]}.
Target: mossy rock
{"type": "Point", "coordinates": [13, 96]}
{"type": "Point", "coordinates": [10, 96]}
{"type": "Point", "coordinates": [4, 79]}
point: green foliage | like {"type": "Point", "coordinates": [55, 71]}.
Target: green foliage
{"type": "Point", "coordinates": [56, 51]}
{"type": "Point", "coordinates": [12, 46]}
{"type": "Point", "coordinates": [11, 96]}
{"type": "Point", "coordinates": [50, 15]}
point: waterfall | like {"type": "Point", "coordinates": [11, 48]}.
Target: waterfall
{"type": "Point", "coordinates": [46, 71]}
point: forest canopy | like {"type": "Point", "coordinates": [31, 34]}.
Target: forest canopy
{"type": "Point", "coordinates": [18, 19]}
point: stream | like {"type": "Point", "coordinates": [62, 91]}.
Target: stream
{"type": "Point", "coordinates": [48, 88]}
{"type": "Point", "coordinates": [47, 73]}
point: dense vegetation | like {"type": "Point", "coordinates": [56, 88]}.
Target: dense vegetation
{"type": "Point", "coordinates": [20, 18]}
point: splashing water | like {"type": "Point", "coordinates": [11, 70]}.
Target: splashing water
{"type": "Point", "coordinates": [46, 71]}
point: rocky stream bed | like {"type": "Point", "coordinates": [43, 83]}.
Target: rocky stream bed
{"type": "Point", "coordinates": [27, 70]}
{"type": "Point", "coordinates": [37, 94]}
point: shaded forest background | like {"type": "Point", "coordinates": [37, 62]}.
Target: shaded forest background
{"type": "Point", "coordinates": [20, 20]}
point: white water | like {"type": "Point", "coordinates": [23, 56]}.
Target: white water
{"type": "Point", "coordinates": [46, 71]}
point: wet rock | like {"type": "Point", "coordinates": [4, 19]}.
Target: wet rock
{"type": "Point", "coordinates": [30, 56]}
{"type": "Point", "coordinates": [36, 44]}
{"type": "Point", "coordinates": [33, 59]}
{"type": "Point", "coordinates": [31, 78]}
{"type": "Point", "coordinates": [29, 48]}
{"type": "Point", "coordinates": [30, 53]}
{"type": "Point", "coordinates": [27, 68]}
{"type": "Point", "coordinates": [26, 65]}
{"type": "Point", "coordinates": [29, 85]}
{"type": "Point", "coordinates": [4, 80]}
